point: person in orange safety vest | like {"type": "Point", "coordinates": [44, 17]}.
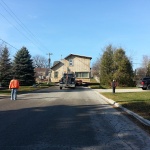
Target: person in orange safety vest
{"type": "Point", "coordinates": [14, 86]}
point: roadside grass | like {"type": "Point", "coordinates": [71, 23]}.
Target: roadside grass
{"type": "Point", "coordinates": [23, 89]}
{"type": "Point", "coordinates": [99, 86]}
{"type": "Point", "coordinates": [95, 85]}
{"type": "Point", "coordinates": [138, 102]}
{"type": "Point", "coordinates": [28, 89]}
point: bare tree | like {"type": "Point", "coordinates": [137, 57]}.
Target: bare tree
{"type": "Point", "coordinates": [96, 67]}
{"type": "Point", "coordinates": [145, 64]}
{"type": "Point", "coordinates": [1, 50]}
{"type": "Point", "coordinates": [96, 70]}
{"type": "Point", "coordinates": [140, 73]}
{"type": "Point", "coordinates": [40, 62]}
{"type": "Point", "coordinates": [148, 69]}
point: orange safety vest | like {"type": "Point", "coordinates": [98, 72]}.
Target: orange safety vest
{"type": "Point", "coordinates": [14, 84]}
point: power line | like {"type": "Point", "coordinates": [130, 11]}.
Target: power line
{"type": "Point", "coordinates": [20, 22]}
{"type": "Point", "coordinates": [8, 44]}
{"type": "Point", "coordinates": [16, 28]}
{"type": "Point", "coordinates": [49, 59]}
{"type": "Point", "coordinates": [12, 14]}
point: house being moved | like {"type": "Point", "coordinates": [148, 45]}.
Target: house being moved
{"type": "Point", "coordinates": [80, 65]}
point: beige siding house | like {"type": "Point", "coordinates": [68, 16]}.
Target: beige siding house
{"type": "Point", "coordinates": [80, 65]}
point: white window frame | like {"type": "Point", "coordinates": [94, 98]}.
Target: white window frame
{"type": "Point", "coordinates": [70, 62]}
{"type": "Point", "coordinates": [81, 75]}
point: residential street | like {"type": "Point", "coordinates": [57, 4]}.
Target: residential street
{"type": "Point", "coordinates": [67, 119]}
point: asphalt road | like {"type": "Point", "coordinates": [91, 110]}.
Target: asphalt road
{"type": "Point", "coordinates": [68, 119]}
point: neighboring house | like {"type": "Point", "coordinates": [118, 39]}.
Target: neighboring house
{"type": "Point", "coordinates": [80, 65]}
{"type": "Point", "coordinates": [41, 73]}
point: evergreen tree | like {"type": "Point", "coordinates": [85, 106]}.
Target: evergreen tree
{"type": "Point", "coordinates": [5, 67]}
{"type": "Point", "coordinates": [123, 72]}
{"type": "Point", "coordinates": [106, 66]}
{"type": "Point", "coordinates": [23, 67]}
{"type": "Point", "coordinates": [114, 64]}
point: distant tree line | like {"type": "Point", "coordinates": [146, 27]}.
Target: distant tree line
{"type": "Point", "coordinates": [112, 64]}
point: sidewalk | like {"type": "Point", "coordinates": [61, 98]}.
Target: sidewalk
{"type": "Point", "coordinates": [112, 102]}
{"type": "Point", "coordinates": [120, 90]}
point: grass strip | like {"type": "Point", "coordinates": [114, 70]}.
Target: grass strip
{"type": "Point", "coordinates": [22, 89]}
{"type": "Point", "coordinates": [138, 102]}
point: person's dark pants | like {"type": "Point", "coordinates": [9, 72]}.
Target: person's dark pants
{"type": "Point", "coordinates": [114, 89]}
{"type": "Point", "coordinates": [13, 94]}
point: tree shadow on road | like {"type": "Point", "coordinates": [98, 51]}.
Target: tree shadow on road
{"type": "Point", "coordinates": [28, 125]}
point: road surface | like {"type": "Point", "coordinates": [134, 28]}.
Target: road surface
{"type": "Point", "coordinates": [67, 119]}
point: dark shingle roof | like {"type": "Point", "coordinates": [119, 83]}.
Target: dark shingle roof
{"type": "Point", "coordinates": [77, 56]}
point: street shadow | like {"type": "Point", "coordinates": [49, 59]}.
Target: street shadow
{"type": "Point", "coordinates": [56, 127]}
{"type": "Point", "coordinates": [62, 127]}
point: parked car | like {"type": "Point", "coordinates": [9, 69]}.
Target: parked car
{"type": "Point", "coordinates": [144, 83]}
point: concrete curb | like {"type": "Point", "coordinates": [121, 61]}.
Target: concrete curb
{"type": "Point", "coordinates": [112, 102]}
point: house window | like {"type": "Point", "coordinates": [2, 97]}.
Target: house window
{"type": "Point", "coordinates": [56, 74]}
{"type": "Point", "coordinates": [70, 62]}
{"type": "Point", "coordinates": [82, 74]}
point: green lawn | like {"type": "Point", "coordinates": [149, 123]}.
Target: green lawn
{"type": "Point", "coordinates": [95, 85]}
{"type": "Point", "coordinates": [138, 102]}
{"type": "Point", "coordinates": [22, 89]}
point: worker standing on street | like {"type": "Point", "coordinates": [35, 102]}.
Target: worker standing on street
{"type": "Point", "coordinates": [14, 86]}
{"type": "Point", "coordinates": [113, 84]}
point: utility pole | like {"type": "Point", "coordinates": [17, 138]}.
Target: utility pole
{"type": "Point", "coordinates": [49, 66]}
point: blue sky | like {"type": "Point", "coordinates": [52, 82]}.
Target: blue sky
{"type": "Point", "coordinates": [83, 27]}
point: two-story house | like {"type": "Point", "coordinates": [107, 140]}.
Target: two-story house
{"type": "Point", "coordinates": [78, 64]}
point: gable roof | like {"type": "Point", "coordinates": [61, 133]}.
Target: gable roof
{"type": "Point", "coordinates": [41, 69]}
{"type": "Point", "coordinates": [77, 56]}
{"type": "Point", "coordinates": [55, 64]}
